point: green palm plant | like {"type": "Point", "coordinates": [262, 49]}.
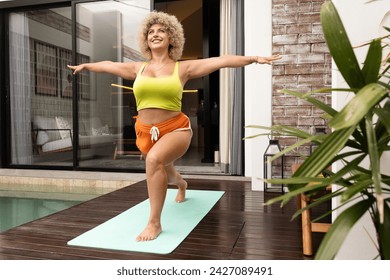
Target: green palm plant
{"type": "Point", "coordinates": [360, 132]}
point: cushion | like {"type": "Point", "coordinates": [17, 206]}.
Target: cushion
{"type": "Point", "coordinates": [46, 123]}
{"type": "Point", "coordinates": [93, 122]}
{"type": "Point", "coordinates": [96, 122]}
{"type": "Point", "coordinates": [42, 137]}
{"type": "Point", "coordinates": [82, 131]}
{"type": "Point", "coordinates": [57, 145]}
{"type": "Point", "coordinates": [104, 130]}
{"type": "Point", "coordinates": [63, 123]}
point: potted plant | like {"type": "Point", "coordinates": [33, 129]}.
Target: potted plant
{"type": "Point", "coordinates": [360, 131]}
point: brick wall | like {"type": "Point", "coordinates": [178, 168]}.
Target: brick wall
{"type": "Point", "coordinates": [305, 66]}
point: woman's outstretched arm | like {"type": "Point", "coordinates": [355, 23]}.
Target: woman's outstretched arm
{"type": "Point", "coordinates": [201, 67]}
{"type": "Point", "coordinates": [126, 70]}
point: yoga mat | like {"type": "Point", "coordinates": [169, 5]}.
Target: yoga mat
{"type": "Point", "coordinates": [178, 220]}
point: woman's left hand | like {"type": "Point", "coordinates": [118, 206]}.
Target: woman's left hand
{"type": "Point", "coordinates": [268, 59]}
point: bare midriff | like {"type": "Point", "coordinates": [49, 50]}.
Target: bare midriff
{"type": "Point", "coordinates": [155, 115]}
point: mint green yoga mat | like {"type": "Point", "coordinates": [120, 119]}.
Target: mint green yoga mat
{"type": "Point", "coordinates": [178, 220]}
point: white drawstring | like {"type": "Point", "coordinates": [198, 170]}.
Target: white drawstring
{"type": "Point", "coordinates": [154, 132]}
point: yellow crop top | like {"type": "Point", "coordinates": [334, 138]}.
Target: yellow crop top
{"type": "Point", "coordinates": [163, 92]}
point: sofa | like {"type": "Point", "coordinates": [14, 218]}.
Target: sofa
{"type": "Point", "coordinates": [55, 134]}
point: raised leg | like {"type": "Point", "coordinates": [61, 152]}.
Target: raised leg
{"type": "Point", "coordinates": [175, 179]}
{"type": "Point", "coordinates": [169, 148]}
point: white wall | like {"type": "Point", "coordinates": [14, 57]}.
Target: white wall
{"type": "Point", "coordinates": [258, 85]}
{"type": "Point", "coordinates": [361, 25]}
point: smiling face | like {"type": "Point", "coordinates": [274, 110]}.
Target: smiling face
{"type": "Point", "coordinates": [168, 33]}
{"type": "Point", "coordinates": [158, 37]}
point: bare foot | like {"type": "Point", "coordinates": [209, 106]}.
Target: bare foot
{"type": "Point", "coordinates": [151, 232]}
{"type": "Point", "coordinates": [181, 193]}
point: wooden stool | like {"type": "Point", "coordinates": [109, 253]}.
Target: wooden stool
{"type": "Point", "coordinates": [308, 227]}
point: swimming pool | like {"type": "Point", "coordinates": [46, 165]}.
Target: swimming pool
{"type": "Point", "coordinates": [20, 207]}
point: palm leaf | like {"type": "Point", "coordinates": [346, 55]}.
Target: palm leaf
{"type": "Point", "coordinates": [323, 154]}
{"type": "Point", "coordinates": [375, 165]}
{"type": "Point", "coordinates": [383, 232]}
{"type": "Point", "coordinates": [358, 106]}
{"type": "Point", "coordinates": [280, 130]}
{"type": "Point", "coordinates": [373, 61]}
{"type": "Point", "coordinates": [293, 193]}
{"type": "Point", "coordinates": [337, 233]}
{"type": "Point", "coordinates": [340, 46]}
{"type": "Point", "coordinates": [356, 188]}
{"type": "Point", "coordinates": [294, 146]}
{"type": "Point", "coordinates": [299, 184]}
{"type": "Point", "coordinates": [319, 104]}
{"type": "Point", "coordinates": [384, 117]}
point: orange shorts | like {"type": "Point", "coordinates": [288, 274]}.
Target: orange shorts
{"type": "Point", "coordinates": [148, 134]}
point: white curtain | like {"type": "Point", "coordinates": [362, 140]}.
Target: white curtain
{"type": "Point", "coordinates": [231, 89]}
{"type": "Point", "coordinates": [20, 89]}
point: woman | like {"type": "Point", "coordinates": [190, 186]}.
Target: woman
{"type": "Point", "coordinates": [163, 131]}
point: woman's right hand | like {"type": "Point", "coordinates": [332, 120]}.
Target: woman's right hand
{"type": "Point", "coordinates": [76, 68]}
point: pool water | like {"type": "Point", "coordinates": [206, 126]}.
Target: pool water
{"type": "Point", "coordinates": [17, 208]}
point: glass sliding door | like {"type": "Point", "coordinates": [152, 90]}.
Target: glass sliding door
{"type": "Point", "coordinates": [37, 39]}
{"type": "Point", "coordinates": [107, 30]}
{"type": "Point", "coordinates": [86, 121]}
{"type": "Point", "coordinates": [43, 91]}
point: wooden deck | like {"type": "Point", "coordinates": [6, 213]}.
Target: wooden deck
{"type": "Point", "coordinates": [238, 227]}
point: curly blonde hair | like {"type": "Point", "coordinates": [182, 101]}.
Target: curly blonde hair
{"type": "Point", "coordinates": [174, 30]}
